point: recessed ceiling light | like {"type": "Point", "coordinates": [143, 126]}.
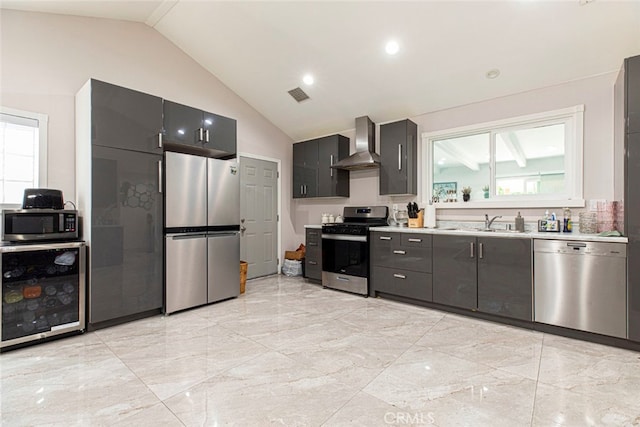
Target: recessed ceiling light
{"type": "Point", "coordinates": [392, 47]}
{"type": "Point", "coordinates": [308, 79]}
{"type": "Point", "coordinates": [492, 74]}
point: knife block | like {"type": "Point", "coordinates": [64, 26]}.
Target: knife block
{"type": "Point", "coordinates": [417, 222]}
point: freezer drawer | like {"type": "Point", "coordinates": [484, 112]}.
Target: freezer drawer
{"type": "Point", "coordinates": [224, 266]}
{"type": "Point", "coordinates": [581, 285]}
{"type": "Point", "coordinates": [186, 271]}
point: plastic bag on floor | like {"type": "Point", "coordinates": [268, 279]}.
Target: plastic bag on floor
{"type": "Point", "coordinates": [292, 267]}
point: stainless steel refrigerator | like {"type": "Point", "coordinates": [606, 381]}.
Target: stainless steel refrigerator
{"type": "Point", "coordinates": [202, 230]}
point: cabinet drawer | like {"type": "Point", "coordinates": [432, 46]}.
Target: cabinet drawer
{"type": "Point", "coordinates": [313, 268]}
{"type": "Point", "coordinates": [415, 240]}
{"type": "Point", "coordinates": [313, 236]}
{"type": "Point", "coordinates": [402, 257]}
{"type": "Point", "coordinates": [409, 284]}
{"type": "Point", "coordinates": [381, 247]}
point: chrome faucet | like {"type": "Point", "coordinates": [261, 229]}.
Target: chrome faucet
{"type": "Point", "coordinates": [488, 222]}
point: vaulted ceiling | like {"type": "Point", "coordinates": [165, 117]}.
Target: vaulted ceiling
{"type": "Point", "coordinates": [262, 49]}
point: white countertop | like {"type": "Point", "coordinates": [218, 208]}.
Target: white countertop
{"type": "Point", "coordinates": [505, 234]}
{"type": "Point", "coordinates": [317, 226]}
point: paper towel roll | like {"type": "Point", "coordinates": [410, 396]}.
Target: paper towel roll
{"type": "Point", "coordinates": [430, 216]}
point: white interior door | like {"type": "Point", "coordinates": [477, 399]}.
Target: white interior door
{"type": "Point", "coordinates": [259, 216]}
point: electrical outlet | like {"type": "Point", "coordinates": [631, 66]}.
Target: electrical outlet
{"type": "Point", "coordinates": [395, 207]}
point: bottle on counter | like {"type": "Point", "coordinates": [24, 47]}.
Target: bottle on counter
{"type": "Point", "coordinates": [568, 225]}
{"type": "Point", "coordinates": [519, 223]}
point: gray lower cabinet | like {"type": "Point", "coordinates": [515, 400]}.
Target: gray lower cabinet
{"type": "Point", "coordinates": [399, 158]}
{"type": "Point", "coordinates": [505, 284]}
{"type": "Point", "coordinates": [488, 274]}
{"type": "Point", "coordinates": [119, 200]}
{"type": "Point", "coordinates": [455, 273]}
{"type": "Point", "coordinates": [313, 256]}
{"type": "Point", "coordinates": [401, 265]}
{"type": "Point", "coordinates": [313, 175]}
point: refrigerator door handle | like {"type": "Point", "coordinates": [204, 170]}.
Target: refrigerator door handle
{"type": "Point", "coordinates": [221, 233]}
{"type": "Point", "coordinates": [187, 236]}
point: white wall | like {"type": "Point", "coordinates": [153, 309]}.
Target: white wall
{"type": "Point", "coordinates": [45, 59]}
{"type": "Point", "coordinates": [596, 93]}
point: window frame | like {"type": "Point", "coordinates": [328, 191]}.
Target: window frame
{"type": "Point", "coordinates": [573, 117]}
{"type": "Point", "coordinates": [43, 124]}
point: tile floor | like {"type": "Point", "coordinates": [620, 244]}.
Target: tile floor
{"type": "Point", "coordinates": [293, 354]}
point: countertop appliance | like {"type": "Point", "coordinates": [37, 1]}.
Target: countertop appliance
{"type": "Point", "coordinates": [581, 285]}
{"type": "Point", "coordinates": [42, 198]}
{"type": "Point", "coordinates": [345, 248]}
{"type": "Point", "coordinates": [43, 291]}
{"type": "Point", "coordinates": [31, 225]}
{"type": "Point", "coordinates": [202, 230]}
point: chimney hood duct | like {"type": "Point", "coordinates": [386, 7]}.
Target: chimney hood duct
{"type": "Point", "coordinates": [365, 156]}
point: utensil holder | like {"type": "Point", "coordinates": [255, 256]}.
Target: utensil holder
{"type": "Point", "coordinates": [417, 222]}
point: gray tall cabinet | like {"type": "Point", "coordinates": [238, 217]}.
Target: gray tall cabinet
{"type": "Point", "coordinates": [118, 186]}
{"type": "Point", "coordinates": [627, 148]}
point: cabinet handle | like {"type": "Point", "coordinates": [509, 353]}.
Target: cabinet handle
{"type": "Point", "coordinates": [415, 240]}
{"type": "Point", "coordinates": [313, 244]}
{"type": "Point", "coordinates": [200, 134]}
{"type": "Point", "coordinates": [331, 165]}
{"type": "Point", "coordinates": [305, 189]}
{"type": "Point", "coordinates": [159, 139]}
{"type": "Point", "coordinates": [206, 135]}
{"type": "Point", "coordinates": [313, 263]}
{"type": "Point", "coordinates": [472, 249]}
{"type": "Point", "coordinates": [385, 238]}
{"type": "Point", "coordinates": [399, 276]}
{"type": "Point", "coordinates": [159, 176]}
{"type": "Point", "coordinates": [399, 252]}
{"type": "Point", "coordinates": [302, 190]}
{"type": "Point", "coordinates": [399, 157]}
{"type": "Point", "coordinates": [480, 254]}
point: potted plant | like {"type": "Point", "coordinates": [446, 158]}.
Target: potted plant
{"type": "Point", "coordinates": [485, 190]}
{"type": "Point", "coordinates": [466, 193]}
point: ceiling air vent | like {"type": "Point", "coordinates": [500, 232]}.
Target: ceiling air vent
{"type": "Point", "coordinates": [298, 94]}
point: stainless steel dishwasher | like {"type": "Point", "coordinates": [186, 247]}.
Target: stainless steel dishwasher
{"type": "Point", "coordinates": [581, 285]}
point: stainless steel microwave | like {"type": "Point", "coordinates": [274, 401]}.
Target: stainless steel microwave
{"type": "Point", "coordinates": [32, 225]}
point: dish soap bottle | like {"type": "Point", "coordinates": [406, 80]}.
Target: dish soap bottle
{"type": "Point", "coordinates": [568, 225]}
{"type": "Point", "coordinates": [519, 223]}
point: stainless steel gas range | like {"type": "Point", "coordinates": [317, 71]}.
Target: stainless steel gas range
{"type": "Point", "coordinates": [345, 248]}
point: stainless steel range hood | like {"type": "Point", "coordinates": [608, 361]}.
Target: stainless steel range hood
{"type": "Point", "coordinates": [365, 156]}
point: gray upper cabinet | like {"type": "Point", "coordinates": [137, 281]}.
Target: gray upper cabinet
{"type": "Point", "coordinates": [312, 172]}
{"type": "Point", "coordinates": [505, 285]}
{"type": "Point", "coordinates": [455, 276]}
{"type": "Point", "coordinates": [332, 182]}
{"type": "Point", "coordinates": [194, 128]}
{"type": "Point", "coordinates": [632, 96]}
{"type": "Point", "coordinates": [305, 169]}
{"type": "Point", "coordinates": [125, 118]}
{"type": "Point", "coordinates": [398, 158]}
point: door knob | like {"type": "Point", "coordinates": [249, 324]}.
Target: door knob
{"type": "Point", "coordinates": [242, 229]}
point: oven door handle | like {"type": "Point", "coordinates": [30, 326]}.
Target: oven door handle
{"type": "Point", "coordinates": [345, 237]}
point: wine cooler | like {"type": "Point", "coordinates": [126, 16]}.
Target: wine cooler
{"type": "Point", "coordinates": [43, 291]}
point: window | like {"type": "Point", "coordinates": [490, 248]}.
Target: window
{"type": "Point", "coordinates": [23, 137]}
{"type": "Point", "coordinates": [531, 161]}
